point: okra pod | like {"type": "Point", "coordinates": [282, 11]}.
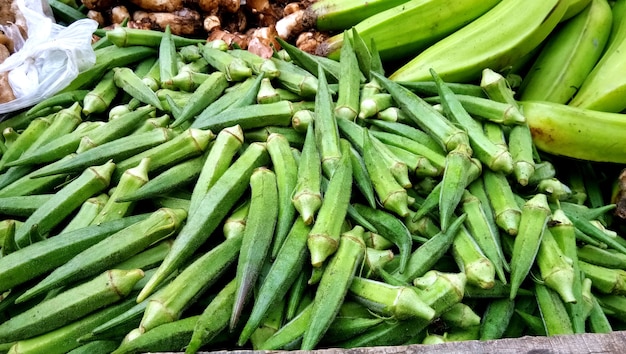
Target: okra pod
{"type": "Point", "coordinates": [127, 80]}
{"type": "Point", "coordinates": [129, 37]}
{"type": "Point", "coordinates": [556, 270]}
{"type": "Point", "coordinates": [259, 65]}
{"type": "Point", "coordinates": [112, 250]}
{"type": "Point", "coordinates": [496, 318]}
{"type": "Point", "coordinates": [169, 336]}
{"type": "Point", "coordinates": [347, 106]}
{"type": "Point", "coordinates": [307, 195]}
{"type": "Point", "coordinates": [533, 222]}
{"type": "Point", "coordinates": [501, 198]}
{"type": "Point", "coordinates": [553, 314]}
{"type": "Point", "coordinates": [324, 236]}
{"type": "Point", "coordinates": [234, 68]}
{"type": "Point", "coordinates": [257, 236]}
{"type": "Point", "coordinates": [208, 91]}
{"type": "Point", "coordinates": [472, 261]}
{"type": "Point", "coordinates": [71, 304]}
{"type": "Point", "coordinates": [332, 289]}
{"type": "Point", "coordinates": [99, 99]}
{"type": "Point", "coordinates": [296, 79]}
{"type": "Point", "coordinates": [24, 141]}
{"type": "Point", "coordinates": [286, 170]}
{"type": "Point", "coordinates": [93, 180]}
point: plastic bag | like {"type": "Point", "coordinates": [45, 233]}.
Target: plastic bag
{"type": "Point", "coordinates": [50, 58]}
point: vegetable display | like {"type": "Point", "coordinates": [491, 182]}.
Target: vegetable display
{"type": "Point", "coordinates": [190, 195]}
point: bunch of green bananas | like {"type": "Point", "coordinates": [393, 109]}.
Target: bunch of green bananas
{"type": "Point", "coordinates": [567, 53]}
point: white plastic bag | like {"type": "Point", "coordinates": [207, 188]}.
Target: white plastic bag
{"type": "Point", "coordinates": [50, 58]}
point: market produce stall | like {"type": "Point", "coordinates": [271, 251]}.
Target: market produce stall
{"type": "Point", "coordinates": [350, 175]}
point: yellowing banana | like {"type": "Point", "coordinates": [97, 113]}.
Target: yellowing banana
{"type": "Point", "coordinates": [569, 55]}
{"type": "Point", "coordinates": [495, 40]}
{"type": "Point", "coordinates": [604, 89]}
{"type": "Point", "coordinates": [576, 132]}
{"type": "Point", "coordinates": [412, 26]}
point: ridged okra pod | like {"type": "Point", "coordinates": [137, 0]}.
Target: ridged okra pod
{"type": "Point", "coordinates": [553, 313]}
{"type": "Point", "coordinates": [502, 200]}
{"type": "Point", "coordinates": [170, 336]}
{"type": "Point", "coordinates": [71, 304]}
{"type": "Point", "coordinates": [221, 154]}
{"type": "Point", "coordinates": [208, 91]}
{"type": "Point", "coordinates": [234, 68]}
{"type": "Point", "coordinates": [258, 64]}
{"type": "Point", "coordinates": [307, 194]}
{"type": "Point", "coordinates": [333, 287]}
{"type": "Point", "coordinates": [87, 212]}
{"type": "Point", "coordinates": [555, 268]}
{"type": "Point", "coordinates": [99, 99]}
{"type": "Point", "coordinates": [401, 302]}
{"type": "Point", "coordinates": [24, 141]}
{"type": "Point", "coordinates": [326, 131]}
{"type": "Point", "coordinates": [127, 80]}
{"type": "Point", "coordinates": [347, 106]}
{"type": "Point", "coordinates": [324, 236]}
{"type": "Point", "coordinates": [92, 181]}
{"type": "Point", "coordinates": [285, 168]}
{"type": "Point", "coordinates": [257, 236]}
{"type": "Point", "coordinates": [453, 183]}
{"type": "Point", "coordinates": [470, 259]}
{"type": "Point", "coordinates": [533, 222]}
{"type": "Point", "coordinates": [112, 250]}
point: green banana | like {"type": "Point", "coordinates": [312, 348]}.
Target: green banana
{"type": "Point", "coordinates": [410, 27]}
{"type": "Point", "coordinates": [576, 132]}
{"type": "Point", "coordinates": [604, 89]}
{"type": "Point", "coordinates": [569, 55]}
{"type": "Point", "coordinates": [333, 15]}
{"type": "Point", "coordinates": [574, 8]}
{"type": "Point", "coordinates": [495, 40]}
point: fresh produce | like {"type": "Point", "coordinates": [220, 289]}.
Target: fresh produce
{"type": "Point", "coordinates": [296, 202]}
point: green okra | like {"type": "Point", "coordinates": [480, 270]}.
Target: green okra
{"type": "Point", "coordinates": [168, 66]}
{"type": "Point", "coordinates": [324, 236]}
{"type": "Point", "coordinates": [302, 119]}
{"type": "Point", "coordinates": [553, 313]}
{"type": "Point", "coordinates": [470, 259]}
{"type": "Point", "coordinates": [234, 68]}
{"type": "Point", "coordinates": [343, 328]}
{"type": "Point", "coordinates": [277, 282]}
{"type": "Point", "coordinates": [426, 255]}
{"type": "Point", "coordinates": [326, 131]}
{"type": "Point", "coordinates": [598, 321]}
{"type": "Point", "coordinates": [424, 116]}
{"type": "Point", "coordinates": [64, 339]}
{"type": "Point", "coordinates": [453, 183]}
{"type": "Point", "coordinates": [391, 228]}
{"type": "Point", "coordinates": [375, 260]}
{"type": "Point", "coordinates": [605, 280]}
{"type": "Point", "coordinates": [296, 295]}
{"type": "Point", "coordinates": [372, 105]}
{"type": "Point", "coordinates": [99, 99]}
{"type": "Point", "coordinates": [49, 214]}
{"type": "Point", "coordinates": [190, 143]}
{"type": "Point", "coordinates": [484, 233]}
{"type": "Point", "coordinates": [286, 170]}
{"type": "Point", "coordinates": [521, 148]}
{"type": "Point", "coordinates": [586, 227]}
{"type": "Point", "coordinates": [257, 236]}
{"type": "Point", "coordinates": [532, 226]}
{"type": "Point", "coordinates": [392, 115]}
{"type": "Point", "coordinates": [347, 105]}
{"type": "Point", "coordinates": [226, 145]}
{"type": "Point", "coordinates": [102, 346]}
{"type": "Point", "coordinates": [42, 257]}
{"type": "Point", "coordinates": [401, 302]}
{"type": "Point", "coordinates": [429, 88]}
{"type": "Point", "coordinates": [129, 37]}
{"type": "Point", "coordinates": [116, 150]}
{"type": "Point", "coordinates": [608, 258]}
{"type": "Point", "coordinates": [64, 99]}
{"type": "Point", "coordinates": [161, 121]}
{"type": "Point", "coordinates": [259, 65]}
{"type": "Point", "coordinates": [71, 304]}
{"type": "Point", "coordinates": [307, 195]}
{"type": "Point", "coordinates": [461, 316]}
{"type": "Point", "coordinates": [267, 93]}
{"type": "Point", "coordinates": [213, 319]}
{"type": "Point", "coordinates": [555, 268]}
{"type": "Point", "coordinates": [291, 332]}
{"type": "Point", "coordinates": [128, 81]}
{"type": "Point", "coordinates": [376, 241]}
{"type": "Point", "coordinates": [112, 250]}
{"type": "Point", "coordinates": [494, 156]}
{"type": "Point", "coordinates": [212, 208]}
{"type": "Point", "coordinates": [391, 195]}
{"type": "Point", "coordinates": [361, 177]}
{"type": "Point", "coordinates": [252, 116]}
{"type": "Point", "coordinates": [147, 259]}
{"type": "Point", "coordinates": [22, 206]}
{"type": "Point", "coordinates": [496, 318]}
{"type": "Point", "coordinates": [187, 79]}
{"type": "Point", "coordinates": [296, 79]}
{"type": "Point", "coordinates": [169, 336]}
{"type": "Point", "coordinates": [208, 91]}
{"type": "Point", "coordinates": [419, 166]}
{"type": "Point", "coordinates": [24, 141]}
{"type": "Point", "coordinates": [179, 175]}
{"type": "Point", "coordinates": [332, 288]}
{"type": "Point", "coordinates": [502, 200]}
{"type": "Point", "coordinates": [168, 303]}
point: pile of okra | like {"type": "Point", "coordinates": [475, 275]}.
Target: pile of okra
{"type": "Point", "coordinates": [182, 195]}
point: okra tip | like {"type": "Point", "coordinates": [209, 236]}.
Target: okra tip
{"type": "Point", "coordinates": [320, 248]}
